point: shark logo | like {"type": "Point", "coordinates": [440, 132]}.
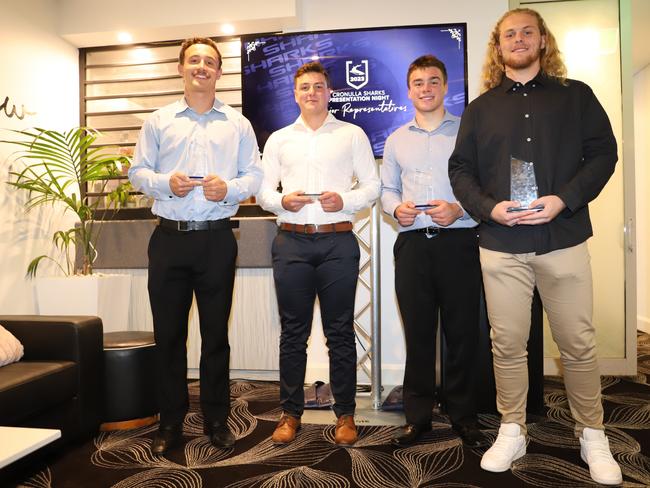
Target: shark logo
{"type": "Point", "coordinates": [356, 75]}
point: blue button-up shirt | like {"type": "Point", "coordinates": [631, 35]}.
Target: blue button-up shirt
{"type": "Point", "coordinates": [177, 139]}
{"type": "Point", "coordinates": [414, 169]}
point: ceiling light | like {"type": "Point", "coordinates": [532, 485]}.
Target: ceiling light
{"type": "Point", "coordinates": [228, 29]}
{"type": "Point", "coordinates": [124, 37]}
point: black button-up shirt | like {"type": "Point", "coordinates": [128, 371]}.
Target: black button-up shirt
{"type": "Point", "coordinates": [562, 129]}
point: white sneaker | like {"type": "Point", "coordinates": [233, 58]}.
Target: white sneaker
{"type": "Point", "coordinates": [509, 446]}
{"type": "Point", "coordinates": [594, 450]}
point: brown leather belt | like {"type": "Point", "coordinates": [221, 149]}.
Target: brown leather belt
{"type": "Point", "coordinates": [317, 229]}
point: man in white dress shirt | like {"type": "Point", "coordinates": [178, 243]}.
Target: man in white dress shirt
{"type": "Point", "coordinates": [327, 172]}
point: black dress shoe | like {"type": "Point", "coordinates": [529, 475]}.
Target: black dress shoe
{"type": "Point", "coordinates": [220, 435]}
{"type": "Point", "coordinates": [166, 438]}
{"type": "Point", "coordinates": [470, 434]}
{"type": "Point", "coordinates": [409, 433]}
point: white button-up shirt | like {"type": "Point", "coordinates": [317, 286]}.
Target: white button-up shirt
{"type": "Point", "coordinates": [335, 157]}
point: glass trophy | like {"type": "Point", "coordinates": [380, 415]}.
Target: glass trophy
{"type": "Point", "coordinates": [196, 154]}
{"type": "Point", "coordinates": [314, 186]}
{"type": "Point", "coordinates": [523, 185]}
{"type": "Point", "coordinates": [423, 189]}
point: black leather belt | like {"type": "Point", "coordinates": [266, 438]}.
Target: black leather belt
{"type": "Point", "coordinates": [317, 229]}
{"type": "Point", "coordinates": [433, 231]}
{"type": "Point", "coordinates": [192, 225]}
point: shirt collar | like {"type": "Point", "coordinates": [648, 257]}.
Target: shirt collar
{"type": "Point", "coordinates": [182, 106]}
{"type": "Point", "coordinates": [328, 120]}
{"type": "Point", "coordinates": [447, 118]}
{"type": "Point", "coordinates": [507, 84]}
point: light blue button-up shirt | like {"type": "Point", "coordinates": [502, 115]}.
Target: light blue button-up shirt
{"type": "Point", "coordinates": [415, 168]}
{"type": "Point", "coordinates": [177, 139]}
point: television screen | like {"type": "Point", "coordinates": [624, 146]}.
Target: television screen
{"type": "Point", "coordinates": [367, 68]}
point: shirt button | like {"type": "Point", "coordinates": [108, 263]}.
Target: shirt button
{"type": "Point", "coordinates": [525, 94]}
{"type": "Point", "coordinates": [534, 85]}
{"type": "Point", "coordinates": [527, 115]}
{"type": "Point", "coordinates": [528, 139]}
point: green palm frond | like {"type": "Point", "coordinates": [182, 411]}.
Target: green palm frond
{"type": "Point", "coordinates": [56, 166]}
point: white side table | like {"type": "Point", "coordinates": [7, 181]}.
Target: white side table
{"type": "Point", "coordinates": [17, 442]}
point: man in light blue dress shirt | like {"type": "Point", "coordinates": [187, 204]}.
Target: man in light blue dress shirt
{"type": "Point", "coordinates": [197, 158]}
{"type": "Point", "coordinates": [436, 258]}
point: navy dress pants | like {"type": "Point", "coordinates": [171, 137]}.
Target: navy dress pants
{"type": "Point", "coordinates": [306, 266]}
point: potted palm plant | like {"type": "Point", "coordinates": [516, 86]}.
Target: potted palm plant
{"type": "Point", "coordinates": [55, 168]}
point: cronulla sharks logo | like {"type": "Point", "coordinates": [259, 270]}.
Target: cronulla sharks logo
{"type": "Point", "coordinates": [356, 74]}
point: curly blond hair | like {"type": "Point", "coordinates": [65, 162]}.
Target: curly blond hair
{"type": "Point", "coordinates": [550, 60]}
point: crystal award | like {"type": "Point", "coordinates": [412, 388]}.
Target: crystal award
{"type": "Point", "coordinates": [523, 186]}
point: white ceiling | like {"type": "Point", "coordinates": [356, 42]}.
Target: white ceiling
{"type": "Point", "coordinates": [94, 23]}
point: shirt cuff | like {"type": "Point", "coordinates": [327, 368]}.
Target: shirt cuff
{"type": "Point", "coordinates": [572, 204]}
{"type": "Point", "coordinates": [232, 194]}
{"type": "Point", "coordinates": [348, 203]}
{"type": "Point", "coordinates": [465, 215]}
{"type": "Point", "coordinates": [390, 210]}
{"type": "Point", "coordinates": [162, 185]}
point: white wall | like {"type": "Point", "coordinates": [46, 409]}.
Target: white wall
{"type": "Point", "coordinates": [40, 72]}
{"type": "Point", "coordinates": [642, 161]}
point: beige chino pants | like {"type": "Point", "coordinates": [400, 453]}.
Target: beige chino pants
{"type": "Point", "coordinates": [563, 279]}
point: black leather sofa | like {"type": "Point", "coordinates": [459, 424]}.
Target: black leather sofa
{"type": "Point", "coordinates": [59, 381]}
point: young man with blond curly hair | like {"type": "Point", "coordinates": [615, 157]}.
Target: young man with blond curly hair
{"type": "Point", "coordinates": [530, 112]}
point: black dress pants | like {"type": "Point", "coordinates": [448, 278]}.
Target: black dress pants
{"type": "Point", "coordinates": [180, 264]}
{"type": "Point", "coordinates": [440, 273]}
{"type": "Point", "coordinates": [305, 266]}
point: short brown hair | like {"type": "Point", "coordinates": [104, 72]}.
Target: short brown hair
{"type": "Point", "coordinates": [198, 40]}
{"type": "Point", "coordinates": [312, 67]}
{"type": "Point", "coordinates": [426, 61]}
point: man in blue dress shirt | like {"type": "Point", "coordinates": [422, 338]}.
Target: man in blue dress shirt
{"type": "Point", "coordinates": [436, 258]}
{"type": "Point", "coordinates": [197, 158]}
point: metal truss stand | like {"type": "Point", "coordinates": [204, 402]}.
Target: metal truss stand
{"type": "Point", "coordinates": [367, 317]}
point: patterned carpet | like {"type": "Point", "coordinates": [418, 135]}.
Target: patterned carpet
{"type": "Point", "coordinates": [124, 460]}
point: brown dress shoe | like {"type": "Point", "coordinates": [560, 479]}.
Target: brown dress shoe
{"type": "Point", "coordinates": [286, 429]}
{"type": "Point", "coordinates": [346, 432]}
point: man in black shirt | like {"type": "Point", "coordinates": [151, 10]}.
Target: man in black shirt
{"type": "Point", "coordinates": [532, 116]}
